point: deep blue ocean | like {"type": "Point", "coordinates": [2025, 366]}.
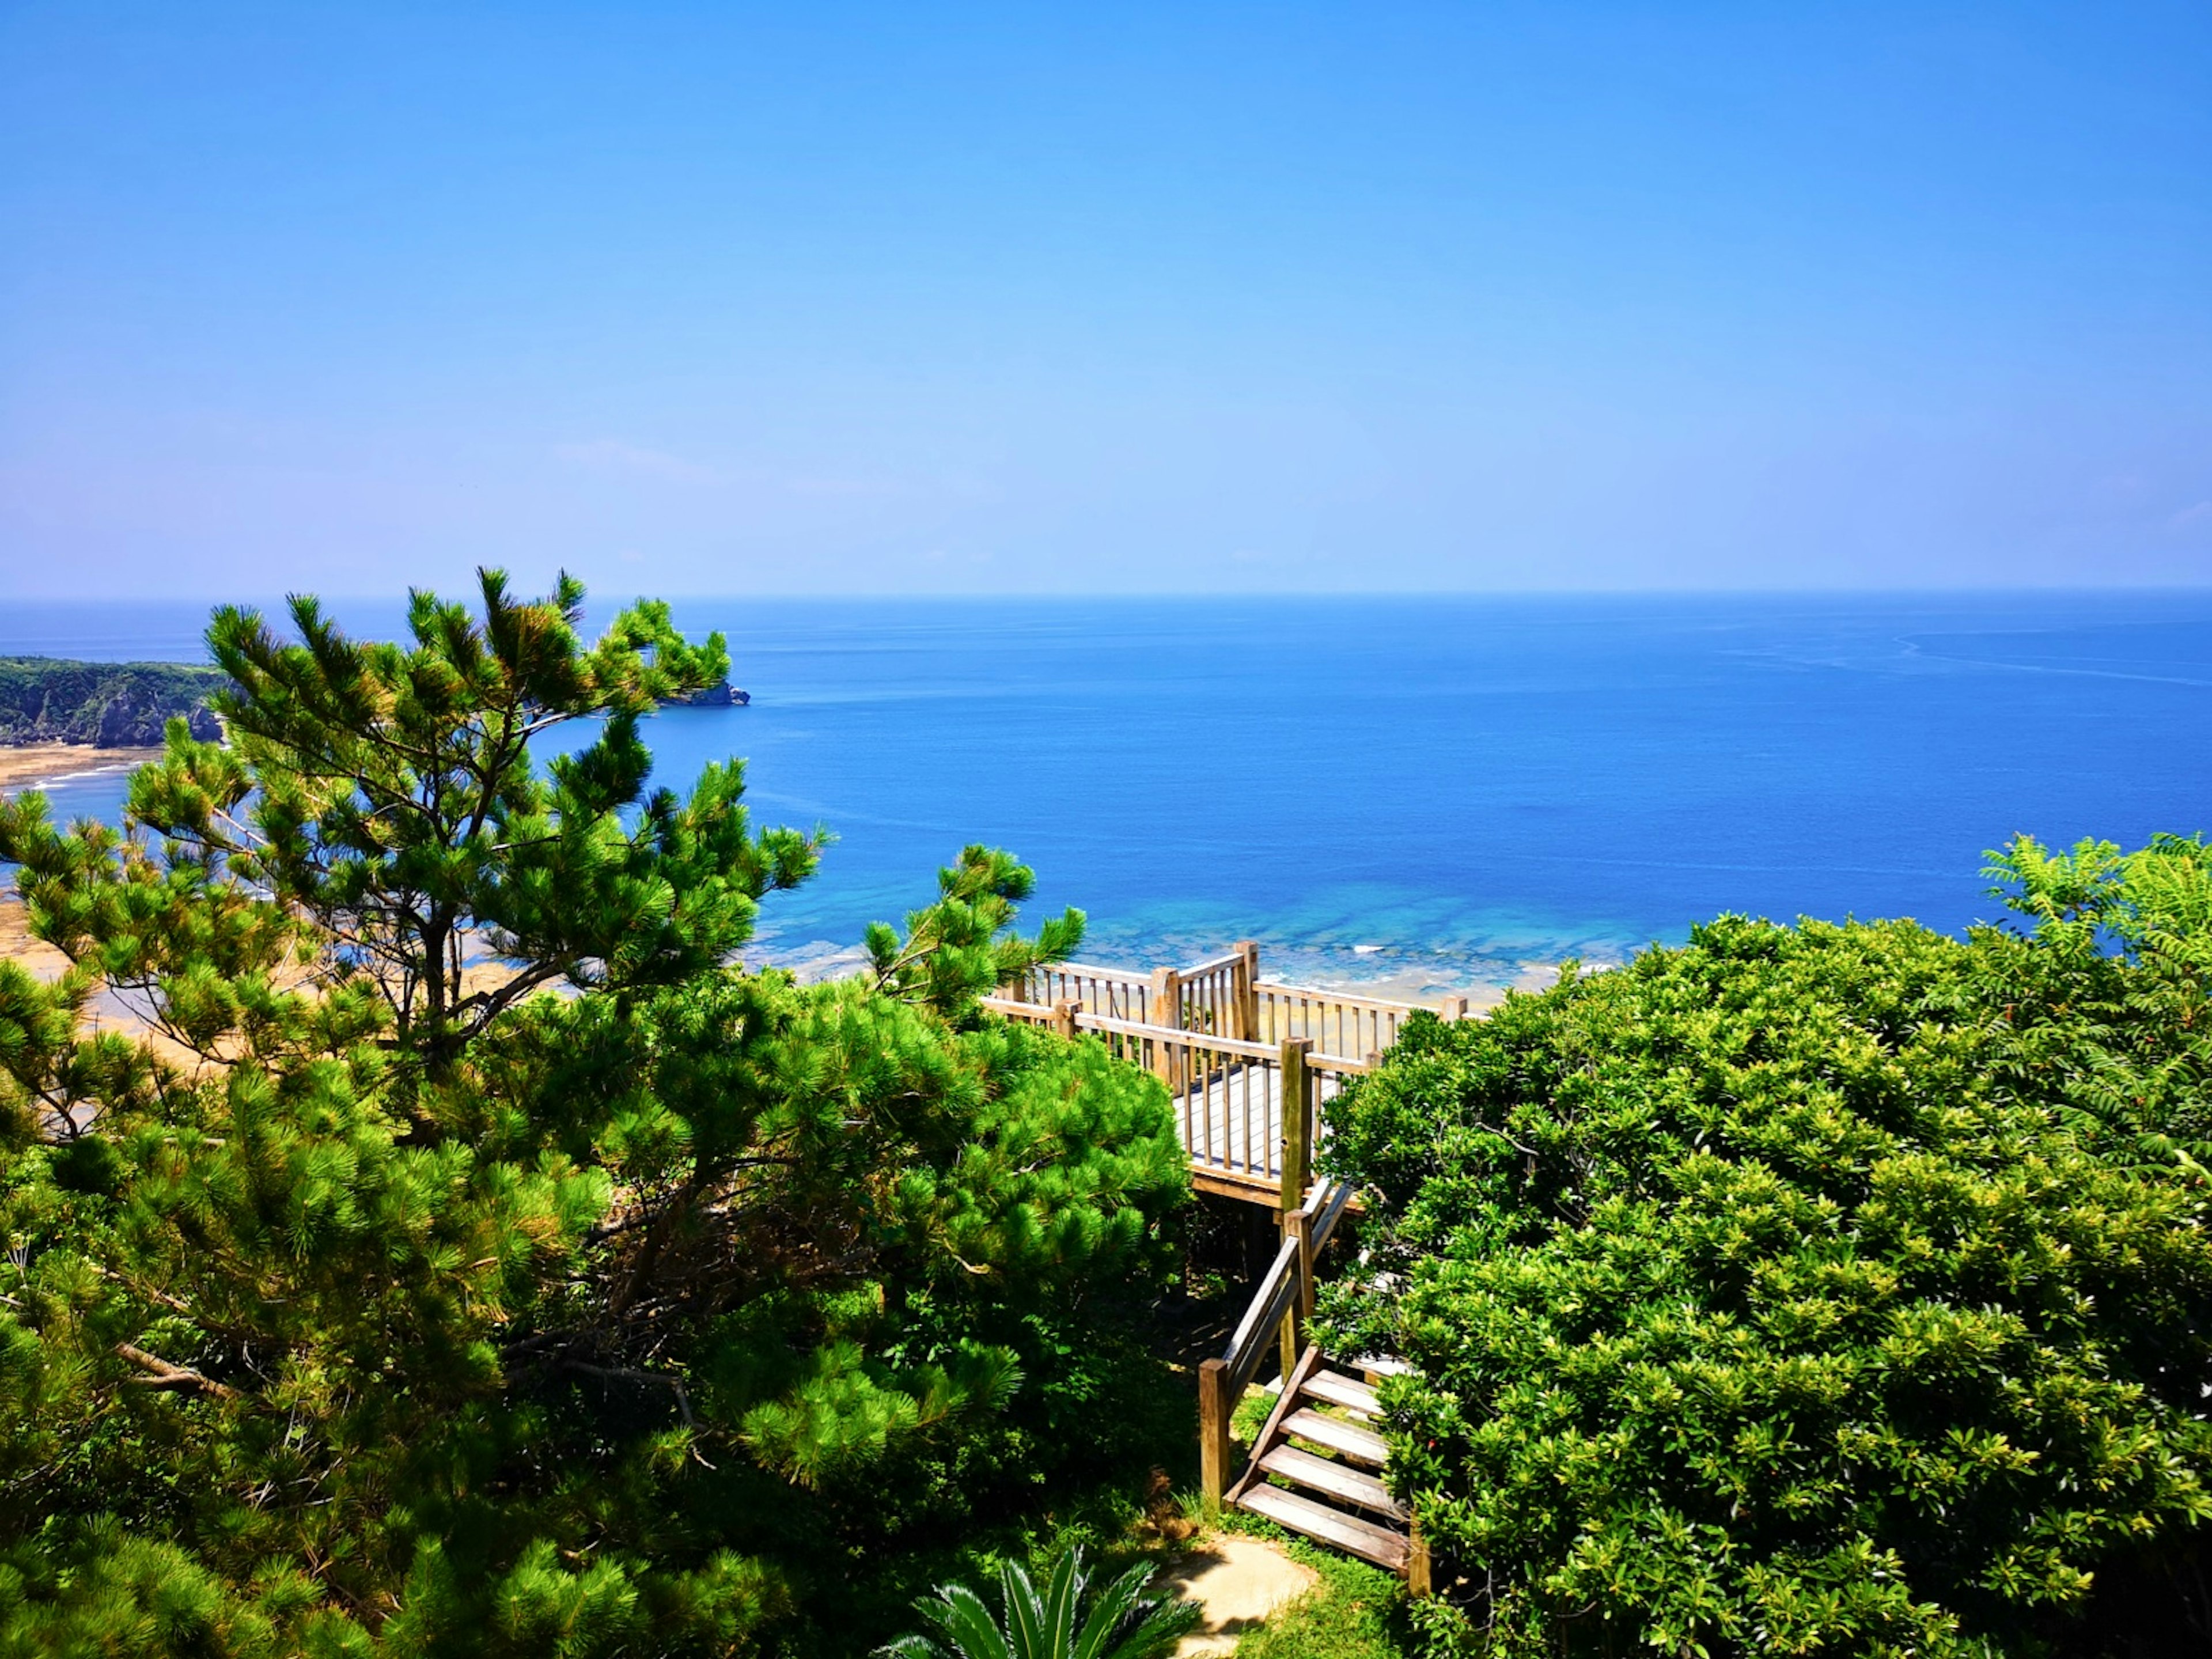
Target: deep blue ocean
{"type": "Point", "coordinates": [1438, 791]}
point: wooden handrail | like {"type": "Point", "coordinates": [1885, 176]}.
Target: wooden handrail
{"type": "Point", "coordinates": [1320, 1062]}
{"type": "Point", "coordinates": [1277, 1287]}
{"type": "Point", "coordinates": [1332, 1210]}
{"type": "Point", "coordinates": [1283, 1292]}
{"type": "Point", "coordinates": [1232, 959]}
{"type": "Point", "coordinates": [1092, 970]}
{"type": "Point", "coordinates": [1042, 1013]}
{"type": "Point", "coordinates": [1346, 999]}
{"type": "Point", "coordinates": [1187, 1058]}
{"type": "Point", "coordinates": [1199, 1040]}
{"type": "Point", "coordinates": [1224, 1000]}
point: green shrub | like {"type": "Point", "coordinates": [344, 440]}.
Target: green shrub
{"type": "Point", "coordinates": [1816, 1290]}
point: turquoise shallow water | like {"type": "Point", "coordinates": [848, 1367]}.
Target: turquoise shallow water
{"type": "Point", "coordinates": [1436, 791]}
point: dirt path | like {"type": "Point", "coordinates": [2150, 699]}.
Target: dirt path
{"type": "Point", "coordinates": [1239, 1582]}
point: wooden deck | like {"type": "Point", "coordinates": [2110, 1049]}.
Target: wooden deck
{"type": "Point", "coordinates": [1224, 1041]}
{"type": "Point", "coordinates": [1231, 1125]}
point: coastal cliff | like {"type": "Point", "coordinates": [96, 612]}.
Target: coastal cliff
{"type": "Point", "coordinates": [106, 705]}
{"type": "Point", "coordinates": [125, 705]}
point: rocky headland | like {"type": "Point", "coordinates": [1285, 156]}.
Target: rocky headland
{"type": "Point", "coordinates": [103, 705]}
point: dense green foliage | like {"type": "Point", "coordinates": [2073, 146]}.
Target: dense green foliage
{"type": "Point", "coordinates": [113, 705]}
{"type": "Point", "coordinates": [1065, 1617]}
{"type": "Point", "coordinates": [1818, 1290]}
{"type": "Point", "coordinates": [469, 1258]}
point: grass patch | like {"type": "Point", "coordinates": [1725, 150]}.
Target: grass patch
{"type": "Point", "coordinates": [1250, 1417]}
{"type": "Point", "coordinates": [1355, 1612]}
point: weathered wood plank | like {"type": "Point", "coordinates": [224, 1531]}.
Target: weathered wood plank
{"type": "Point", "coordinates": [1286, 1400]}
{"type": "Point", "coordinates": [1346, 1438]}
{"type": "Point", "coordinates": [1339, 1480]}
{"type": "Point", "coordinates": [1364, 1538]}
{"type": "Point", "coordinates": [1337, 1389]}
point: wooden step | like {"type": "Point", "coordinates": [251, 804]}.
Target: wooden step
{"type": "Point", "coordinates": [1382, 1364]}
{"type": "Point", "coordinates": [1349, 1439]}
{"type": "Point", "coordinates": [1338, 1480]}
{"type": "Point", "coordinates": [1338, 1389]}
{"type": "Point", "coordinates": [1348, 1532]}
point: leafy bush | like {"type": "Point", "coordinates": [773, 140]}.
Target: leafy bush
{"type": "Point", "coordinates": [1815, 1289]}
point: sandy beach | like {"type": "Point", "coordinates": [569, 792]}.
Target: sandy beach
{"type": "Point", "coordinates": [16, 944]}
{"type": "Point", "coordinates": [33, 765]}
{"type": "Point", "coordinates": [29, 766]}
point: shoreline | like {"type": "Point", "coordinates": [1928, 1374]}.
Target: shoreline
{"type": "Point", "coordinates": [813, 960]}
{"type": "Point", "coordinates": [34, 765]}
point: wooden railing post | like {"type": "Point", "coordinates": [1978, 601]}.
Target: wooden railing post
{"type": "Point", "coordinates": [1063, 1019]}
{"type": "Point", "coordinates": [1418, 1576]}
{"type": "Point", "coordinates": [1298, 1121]}
{"type": "Point", "coordinates": [1164, 1008]}
{"type": "Point", "coordinates": [1214, 1408]}
{"type": "Point", "coordinates": [1246, 1020]}
{"type": "Point", "coordinates": [1298, 1226]}
{"type": "Point", "coordinates": [1454, 1008]}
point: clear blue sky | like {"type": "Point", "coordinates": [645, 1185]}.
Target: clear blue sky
{"type": "Point", "coordinates": [916, 298]}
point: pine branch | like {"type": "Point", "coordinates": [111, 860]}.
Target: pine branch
{"type": "Point", "coordinates": [161, 1374]}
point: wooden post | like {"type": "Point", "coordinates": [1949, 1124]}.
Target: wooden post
{"type": "Point", "coordinates": [1214, 1407]}
{"type": "Point", "coordinates": [1418, 1576]}
{"type": "Point", "coordinates": [1247, 1019]}
{"type": "Point", "coordinates": [1454, 1008]}
{"type": "Point", "coordinates": [1298, 1225]}
{"type": "Point", "coordinates": [1298, 1122]}
{"type": "Point", "coordinates": [1063, 1019]}
{"type": "Point", "coordinates": [1164, 1008]}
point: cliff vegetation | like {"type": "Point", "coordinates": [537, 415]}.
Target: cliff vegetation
{"type": "Point", "coordinates": [109, 705]}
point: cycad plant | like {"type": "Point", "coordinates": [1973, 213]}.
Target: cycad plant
{"type": "Point", "coordinates": [1123, 1621]}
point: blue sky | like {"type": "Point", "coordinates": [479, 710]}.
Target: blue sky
{"type": "Point", "coordinates": [893, 299]}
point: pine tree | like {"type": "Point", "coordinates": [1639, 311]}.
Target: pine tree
{"type": "Point", "coordinates": [375, 1299]}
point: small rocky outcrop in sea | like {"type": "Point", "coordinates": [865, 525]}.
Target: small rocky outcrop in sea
{"type": "Point", "coordinates": [721, 695]}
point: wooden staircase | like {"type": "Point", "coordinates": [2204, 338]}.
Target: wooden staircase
{"type": "Point", "coordinates": [1316, 1441]}
{"type": "Point", "coordinates": [1319, 1441]}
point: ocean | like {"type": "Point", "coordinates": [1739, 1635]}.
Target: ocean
{"type": "Point", "coordinates": [1430, 793]}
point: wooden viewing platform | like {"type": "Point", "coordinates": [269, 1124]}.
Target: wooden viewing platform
{"type": "Point", "coordinates": [1232, 1048]}
{"type": "Point", "coordinates": [1247, 1064]}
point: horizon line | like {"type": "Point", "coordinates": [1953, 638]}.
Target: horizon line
{"type": "Point", "coordinates": [1134, 595]}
